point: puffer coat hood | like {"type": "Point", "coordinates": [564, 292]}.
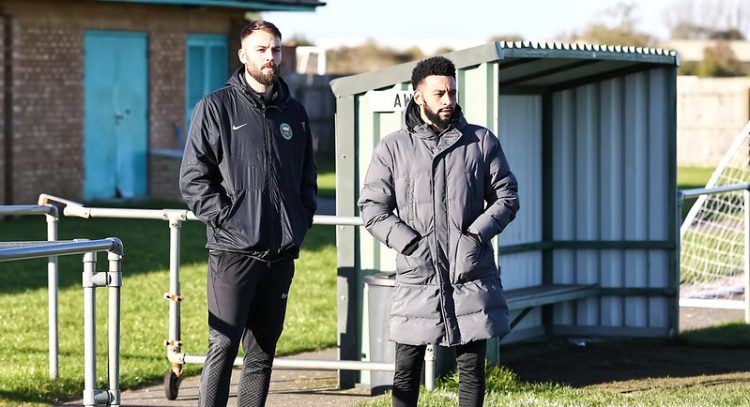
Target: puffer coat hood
{"type": "Point", "coordinates": [429, 190]}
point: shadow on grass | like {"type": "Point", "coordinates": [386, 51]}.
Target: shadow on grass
{"type": "Point", "coordinates": [718, 350]}
{"type": "Point", "coordinates": [20, 398]}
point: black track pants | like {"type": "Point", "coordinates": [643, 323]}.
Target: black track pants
{"type": "Point", "coordinates": [469, 358]}
{"type": "Point", "coordinates": [246, 301]}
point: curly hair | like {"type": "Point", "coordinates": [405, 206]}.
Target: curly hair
{"type": "Point", "coordinates": [441, 66]}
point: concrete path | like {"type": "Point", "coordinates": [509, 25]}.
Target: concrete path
{"type": "Point", "coordinates": [289, 388]}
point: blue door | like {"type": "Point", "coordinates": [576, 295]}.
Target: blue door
{"type": "Point", "coordinates": [115, 114]}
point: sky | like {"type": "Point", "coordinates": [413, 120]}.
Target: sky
{"type": "Point", "coordinates": [455, 23]}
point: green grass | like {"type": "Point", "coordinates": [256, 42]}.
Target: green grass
{"type": "Point", "coordinates": [310, 323]}
{"type": "Point", "coordinates": [504, 388]}
{"type": "Point", "coordinates": [326, 178]}
{"type": "Point", "coordinates": [731, 335]}
{"type": "Point", "coordinates": [692, 177]}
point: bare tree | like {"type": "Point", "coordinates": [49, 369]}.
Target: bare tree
{"type": "Point", "coordinates": [616, 26]}
{"type": "Point", "coordinates": [708, 19]}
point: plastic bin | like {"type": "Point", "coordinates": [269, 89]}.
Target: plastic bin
{"type": "Point", "coordinates": [380, 297]}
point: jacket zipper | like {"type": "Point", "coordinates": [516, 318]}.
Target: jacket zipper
{"type": "Point", "coordinates": [269, 174]}
{"type": "Point", "coordinates": [435, 260]}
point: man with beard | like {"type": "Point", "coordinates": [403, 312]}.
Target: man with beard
{"type": "Point", "coordinates": [248, 173]}
{"type": "Point", "coordinates": [452, 191]}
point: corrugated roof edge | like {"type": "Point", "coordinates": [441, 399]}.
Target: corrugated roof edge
{"type": "Point", "coordinates": [493, 51]}
{"type": "Point", "coordinates": [251, 5]}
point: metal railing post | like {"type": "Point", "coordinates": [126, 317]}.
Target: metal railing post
{"type": "Point", "coordinates": [52, 300]}
{"type": "Point", "coordinates": [429, 368]}
{"type": "Point", "coordinates": [174, 345]}
{"type": "Point", "coordinates": [114, 282]}
{"type": "Point", "coordinates": [90, 281]}
{"type": "Point", "coordinates": [746, 196]}
{"type": "Point", "coordinates": [89, 329]}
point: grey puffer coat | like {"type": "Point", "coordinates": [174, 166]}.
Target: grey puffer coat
{"type": "Point", "coordinates": [448, 290]}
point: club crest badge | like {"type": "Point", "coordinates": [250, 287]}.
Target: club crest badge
{"type": "Point", "coordinates": [286, 131]}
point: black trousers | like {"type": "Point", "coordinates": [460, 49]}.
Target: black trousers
{"type": "Point", "coordinates": [469, 358]}
{"type": "Point", "coordinates": [246, 302]}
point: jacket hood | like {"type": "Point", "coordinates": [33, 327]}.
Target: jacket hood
{"type": "Point", "coordinates": [281, 92]}
{"type": "Point", "coordinates": [417, 126]}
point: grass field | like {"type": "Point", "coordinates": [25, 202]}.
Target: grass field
{"type": "Point", "coordinates": [310, 322]}
{"type": "Point", "coordinates": [692, 177]}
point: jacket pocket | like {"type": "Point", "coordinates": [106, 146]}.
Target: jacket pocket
{"type": "Point", "coordinates": [227, 211]}
{"type": "Point", "coordinates": [234, 231]}
{"type": "Point", "coordinates": [468, 256]}
{"type": "Point", "coordinates": [415, 268]}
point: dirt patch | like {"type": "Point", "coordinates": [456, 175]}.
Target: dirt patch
{"type": "Point", "coordinates": [605, 362]}
{"type": "Point", "coordinates": [633, 364]}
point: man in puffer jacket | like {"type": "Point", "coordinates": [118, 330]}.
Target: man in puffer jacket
{"type": "Point", "coordinates": [248, 173]}
{"type": "Point", "coordinates": [452, 191]}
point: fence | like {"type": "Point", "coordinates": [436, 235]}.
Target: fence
{"type": "Point", "coordinates": [174, 344]}
{"type": "Point", "coordinates": [175, 217]}
{"type": "Point", "coordinates": [51, 215]}
{"type": "Point", "coordinates": [91, 280]}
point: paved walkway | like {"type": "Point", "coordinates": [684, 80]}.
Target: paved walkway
{"type": "Point", "coordinates": [289, 388]}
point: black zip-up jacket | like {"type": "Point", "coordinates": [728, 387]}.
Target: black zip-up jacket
{"type": "Point", "coordinates": [248, 171]}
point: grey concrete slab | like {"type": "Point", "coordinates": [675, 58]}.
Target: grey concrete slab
{"type": "Point", "coordinates": [289, 388]}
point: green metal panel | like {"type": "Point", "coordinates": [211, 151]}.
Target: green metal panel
{"type": "Point", "coordinates": [478, 95]}
{"type": "Point", "coordinates": [589, 245]}
{"type": "Point", "coordinates": [675, 220]}
{"type": "Point", "coordinates": [372, 126]}
{"type": "Point", "coordinates": [385, 78]}
{"type": "Point", "coordinates": [548, 201]}
{"type": "Point", "coordinates": [587, 51]}
{"type": "Point", "coordinates": [367, 127]}
{"type": "Point", "coordinates": [516, 54]}
{"type": "Point", "coordinates": [346, 243]}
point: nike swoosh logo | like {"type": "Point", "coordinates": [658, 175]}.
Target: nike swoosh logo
{"type": "Point", "coordinates": [239, 127]}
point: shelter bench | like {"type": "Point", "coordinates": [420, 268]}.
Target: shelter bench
{"type": "Point", "coordinates": [527, 298]}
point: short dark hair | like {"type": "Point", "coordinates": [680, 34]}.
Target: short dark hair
{"type": "Point", "coordinates": [440, 66]}
{"type": "Point", "coordinates": [259, 25]}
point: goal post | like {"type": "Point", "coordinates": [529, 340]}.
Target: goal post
{"type": "Point", "coordinates": [713, 236]}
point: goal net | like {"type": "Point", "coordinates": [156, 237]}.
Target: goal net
{"type": "Point", "coordinates": [712, 237]}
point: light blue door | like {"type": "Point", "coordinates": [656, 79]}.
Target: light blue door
{"type": "Point", "coordinates": [115, 114]}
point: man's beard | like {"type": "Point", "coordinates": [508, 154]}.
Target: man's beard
{"type": "Point", "coordinates": [264, 78]}
{"type": "Point", "coordinates": [435, 118]}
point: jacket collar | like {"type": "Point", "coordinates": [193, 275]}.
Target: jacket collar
{"type": "Point", "coordinates": [280, 96]}
{"type": "Point", "coordinates": [416, 125]}
{"type": "Point", "coordinates": [449, 136]}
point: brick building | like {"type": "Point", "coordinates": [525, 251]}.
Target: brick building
{"type": "Point", "coordinates": [88, 88]}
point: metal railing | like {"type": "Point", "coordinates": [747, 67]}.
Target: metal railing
{"type": "Point", "coordinates": [698, 192]}
{"type": "Point", "coordinates": [174, 344]}
{"type": "Point", "coordinates": [112, 278]}
{"type": "Point", "coordinates": [51, 215]}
